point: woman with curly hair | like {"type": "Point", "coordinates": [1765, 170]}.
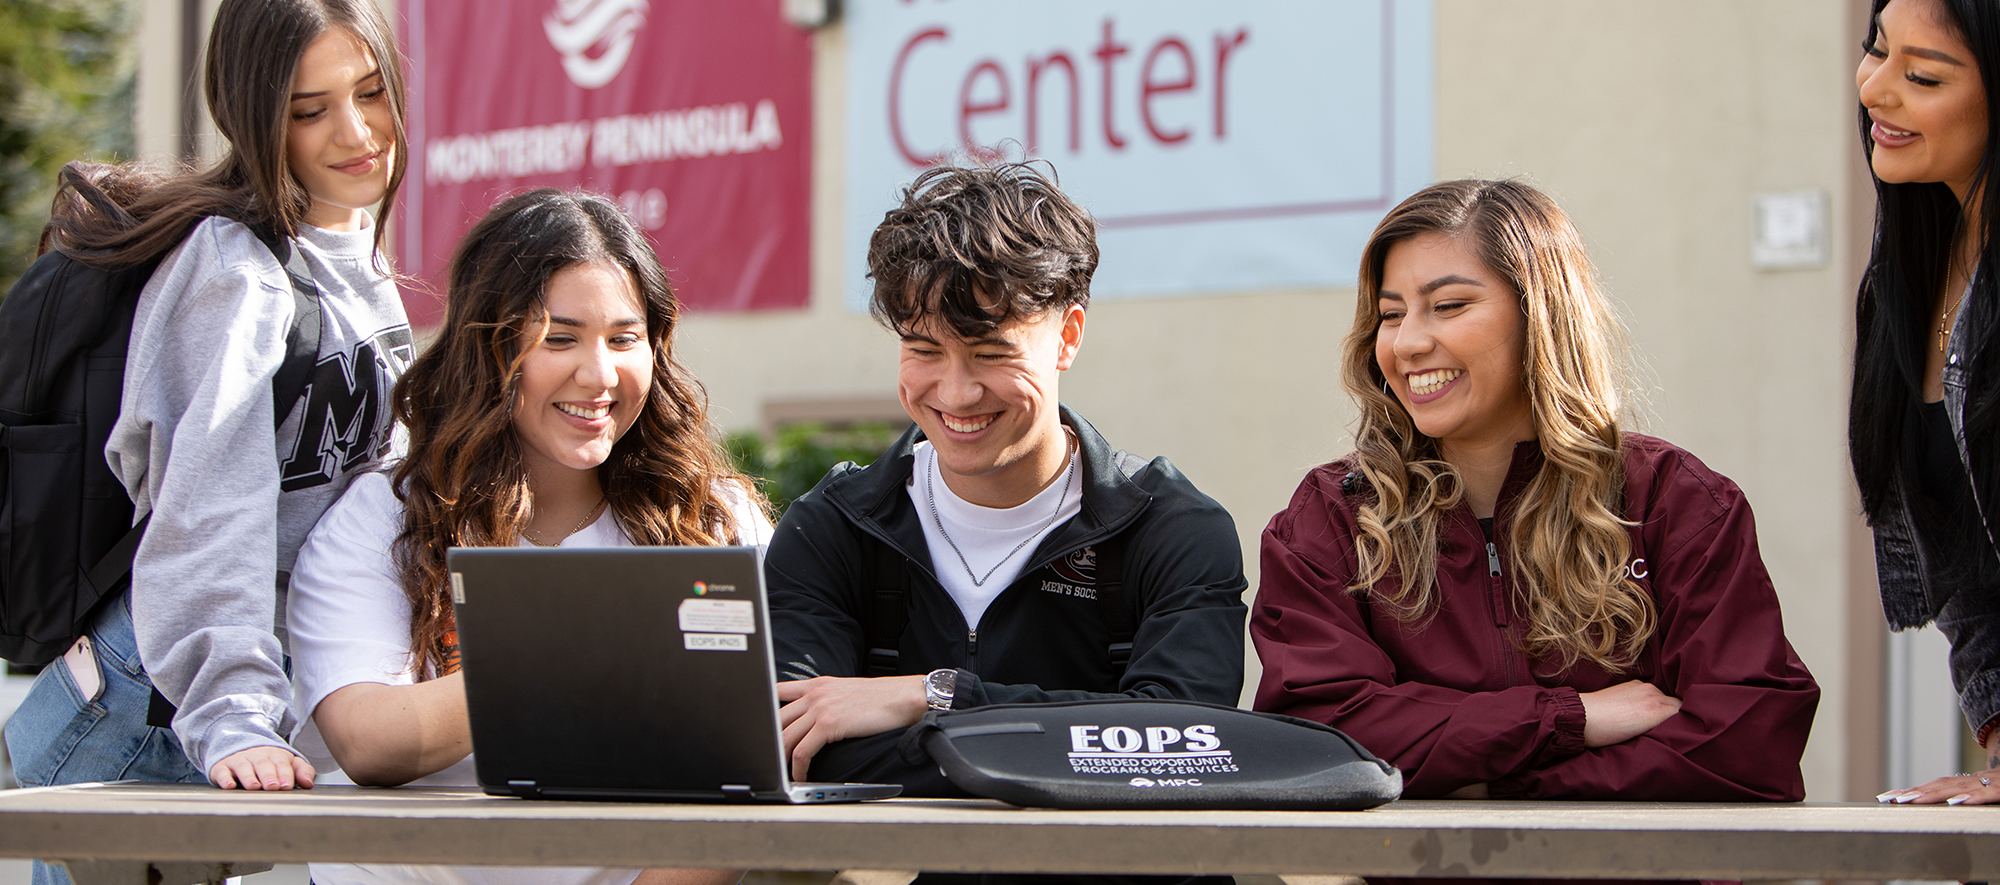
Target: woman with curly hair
{"type": "Point", "coordinates": [549, 412]}
{"type": "Point", "coordinates": [1499, 591]}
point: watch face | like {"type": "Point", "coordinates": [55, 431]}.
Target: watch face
{"type": "Point", "coordinates": [938, 686]}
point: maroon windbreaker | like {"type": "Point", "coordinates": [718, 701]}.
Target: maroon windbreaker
{"type": "Point", "coordinates": [1454, 701]}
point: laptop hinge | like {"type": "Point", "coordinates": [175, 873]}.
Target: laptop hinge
{"type": "Point", "coordinates": [737, 792]}
{"type": "Point", "coordinates": [525, 789]}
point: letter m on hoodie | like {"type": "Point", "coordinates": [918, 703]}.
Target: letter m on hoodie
{"type": "Point", "coordinates": [339, 414]}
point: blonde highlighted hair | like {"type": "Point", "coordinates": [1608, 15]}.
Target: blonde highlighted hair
{"type": "Point", "coordinates": [1568, 538]}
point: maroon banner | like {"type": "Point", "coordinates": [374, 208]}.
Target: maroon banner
{"type": "Point", "coordinates": [694, 114]}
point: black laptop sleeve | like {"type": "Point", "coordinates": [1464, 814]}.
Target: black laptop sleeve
{"type": "Point", "coordinates": [1129, 753]}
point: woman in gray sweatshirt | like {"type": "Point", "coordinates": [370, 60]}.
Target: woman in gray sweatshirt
{"type": "Point", "coordinates": [183, 678]}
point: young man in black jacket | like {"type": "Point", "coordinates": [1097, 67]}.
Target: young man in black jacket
{"type": "Point", "coordinates": [1000, 552]}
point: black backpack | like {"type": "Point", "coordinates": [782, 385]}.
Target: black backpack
{"type": "Point", "coordinates": [66, 532]}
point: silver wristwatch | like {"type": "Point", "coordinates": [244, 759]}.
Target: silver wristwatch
{"type": "Point", "coordinates": [938, 687]}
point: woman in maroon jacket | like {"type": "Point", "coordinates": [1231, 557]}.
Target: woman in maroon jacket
{"type": "Point", "coordinates": [1498, 591]}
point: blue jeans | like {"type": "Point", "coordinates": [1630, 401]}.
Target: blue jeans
{"type": "Point", "coordinates": [58, 736]}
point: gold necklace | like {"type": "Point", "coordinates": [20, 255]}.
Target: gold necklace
{"type": "Point", "coordinates": [1944, 332]}
{"type": "Point", "coordinates": [1944, 327]}
{"type": "Point", "coordinates": [579, 527]}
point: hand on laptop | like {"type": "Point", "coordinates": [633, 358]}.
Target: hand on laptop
{"type": "Point", "coordinates": [817, 712]}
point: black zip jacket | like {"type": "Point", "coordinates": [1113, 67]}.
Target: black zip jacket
{"type": "Point", "coordinates": [1040, 640]}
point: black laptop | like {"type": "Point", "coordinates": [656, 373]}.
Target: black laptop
{"type": "Point", "coordinates": [638, 673]}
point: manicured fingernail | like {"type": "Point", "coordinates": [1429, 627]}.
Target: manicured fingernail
{"type": "Point", "coordinates": [1906, 798]}
{"type": "Point", "coordinates": [1958, 799]}
{"type": "Point", "coordinates": [1886, 796]}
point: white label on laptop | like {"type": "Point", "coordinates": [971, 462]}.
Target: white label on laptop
{"type": "Point", "coordinates": [458, 588]}
{"type": "Point", "coordinates": [716, 641]}
{"type": "Point", "coordinates": [718, 616]}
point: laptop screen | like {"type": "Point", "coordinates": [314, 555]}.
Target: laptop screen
{"type": "Point", "coordinates": [642, 671]}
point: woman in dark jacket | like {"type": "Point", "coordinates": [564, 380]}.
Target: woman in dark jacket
{"type": "Point", "coordinates": [1924, 414]}
{"type": "Point", "coordinates": [1498, 591]}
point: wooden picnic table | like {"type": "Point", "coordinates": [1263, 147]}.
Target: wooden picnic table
{"type": "Point", "coordinates": [124, 834]}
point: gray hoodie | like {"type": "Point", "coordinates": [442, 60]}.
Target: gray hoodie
{"type": "Point", "coordinates": [231, 499]}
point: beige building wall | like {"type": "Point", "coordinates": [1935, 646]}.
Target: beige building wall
{"type": "Point", "coordinates": [1655, 124]}
{"type": "Point", "coordinates": [157, 108]}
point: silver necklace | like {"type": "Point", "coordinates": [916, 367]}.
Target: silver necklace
{"type": "Point", "coordinates": [930, 495]}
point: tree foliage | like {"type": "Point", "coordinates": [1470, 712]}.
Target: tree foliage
{"type": "Point", "coordinates": [795, 460]}
{"type": "Point", "coordinates": [66, 93]}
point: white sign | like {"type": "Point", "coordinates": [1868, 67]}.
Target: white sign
{"type": "Point", "coordinates": [1790, 231]}
{"type": "Point", "coordinates": [715, 641]}
{"type": "Point", "coordinates": [1220, 146]}
{"type": "Point", "coordinates": [718, 616]}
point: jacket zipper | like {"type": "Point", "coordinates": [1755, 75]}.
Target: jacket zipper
{"type": "Point", "coordinates": [1495, 590]}
{"type": "Point", "coordinates": [1493, 584]}
{"type": "Point", "coordinates": [972, 650]}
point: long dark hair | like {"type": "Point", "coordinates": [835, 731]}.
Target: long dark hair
{"type": "Point", "coordinates": [1915, 226]}
{"type": "Point", "coordinates": [119, 216]}
{"type": "Point", "coordinates": [464, 483]}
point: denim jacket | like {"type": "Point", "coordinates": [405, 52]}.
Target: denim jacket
{"type": "Point", "coordinates": [1909, 567]}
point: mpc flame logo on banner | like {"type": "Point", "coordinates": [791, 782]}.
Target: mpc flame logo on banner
{"type": "Point", "coordinates": [695, 115]}
{"type": "Point", "coordinates": [577, 28]}
{"type": "Point", "coordinates": [1222, 147]}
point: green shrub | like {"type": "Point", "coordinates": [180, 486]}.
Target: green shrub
{"type": "Point", "coordinates": [67, 89]}
{"type": "Point", "coordinates": [790, 464]}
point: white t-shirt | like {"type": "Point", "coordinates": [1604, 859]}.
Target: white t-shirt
{"type": "Point", "coordinates": [993, 540]}
{"type": "Point", "coordinates": [350, 624]}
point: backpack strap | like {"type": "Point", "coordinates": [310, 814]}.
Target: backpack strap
{"type": "Point", "coordinates": [116, 563]}
{"type": "Point", "coordinates": [1112, 604]}
{"type": "Point", "coordinates": [884, 609]}
{"type": "Point", "coordinates": [302, 340]}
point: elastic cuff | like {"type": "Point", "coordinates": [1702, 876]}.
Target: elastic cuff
{"type": "Point", "coordinates": [968, 692]}
{"type": "Point", "coordinates": [1986, 730]}
{"type": "Point", "coordinates": [1565, 716]}
{"type": "Point", "coordinates": [228, 736]}
{"type": "Point", "coordinates": [1979, 699]}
